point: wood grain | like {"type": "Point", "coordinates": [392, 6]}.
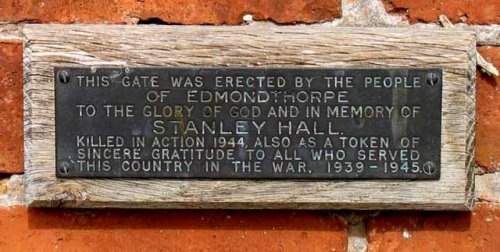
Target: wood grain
{"type": "Point", "coordinates": [48, 46]}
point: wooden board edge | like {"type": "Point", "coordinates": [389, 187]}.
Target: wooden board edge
{"type": "Point", "coordinates": [470, 145]}
{"type": "Point", "coordinates": [443, 206]}
{"type": "Point", "coordinates": [27, 113]}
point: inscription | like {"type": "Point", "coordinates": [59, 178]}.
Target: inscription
{"type": "Point", "coordinates": [308, 123]}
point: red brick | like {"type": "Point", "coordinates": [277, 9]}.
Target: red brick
{"type": "Point", "coordinates": [470, 11]}
{"type": "Point", "coordinates": [488, 114]}
{"type": "Point", "coordinates": [169, 11]}
{"type": "Point", "coordinates": [175, 230]}
{"type": "Point", "coordinates": [436, 231]}
{"type": "Point", "coordinates": [11, 107]}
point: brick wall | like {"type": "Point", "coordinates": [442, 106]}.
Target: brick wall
{"type": "Point", "coordinates": [23, 229]}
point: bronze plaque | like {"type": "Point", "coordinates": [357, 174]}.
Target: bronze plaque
{"type": "Point", "coordinates": [248, 123]}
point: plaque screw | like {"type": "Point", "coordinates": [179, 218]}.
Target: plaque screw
{"type": "Point", "coordinates": [429, 168]}
{"type": "Point", "coordinates": [358, 122]}
{"type": "Point", "coordinates": [63, 76]}
{"type": "Point", "coordinates": [432, 79]}
{"type": "Point", "coordinates": [64, 168]}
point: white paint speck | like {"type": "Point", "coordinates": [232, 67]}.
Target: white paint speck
{"type": "Point", "coordinates": [406, 234]}
{"type": "Point", "coordinates": [248, 18]}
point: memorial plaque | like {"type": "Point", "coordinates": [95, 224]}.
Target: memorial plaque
{"type": "Point", "coordinates": [248, 123]}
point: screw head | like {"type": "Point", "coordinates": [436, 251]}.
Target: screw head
{"type": "Point", "coordinates": [64, 168]}
{"type": "Point", "coordinates": [429, 168]}
{"type": "Point", "coordinates": [63, 76]}
{"type": "Point", "coordinates": [358, 122]}
{"type": "Point", "coordinates": [432, 79]}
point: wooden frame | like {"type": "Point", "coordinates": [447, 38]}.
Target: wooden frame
{"type": "Point", "coordinates": [48, 46]}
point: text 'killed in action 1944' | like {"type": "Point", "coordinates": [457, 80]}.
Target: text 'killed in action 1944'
{"type": "Point", "coordinates": [248, 123]}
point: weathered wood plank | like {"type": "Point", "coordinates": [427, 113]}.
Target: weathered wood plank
{"type": "Point", "coordinates": [48, 46]}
